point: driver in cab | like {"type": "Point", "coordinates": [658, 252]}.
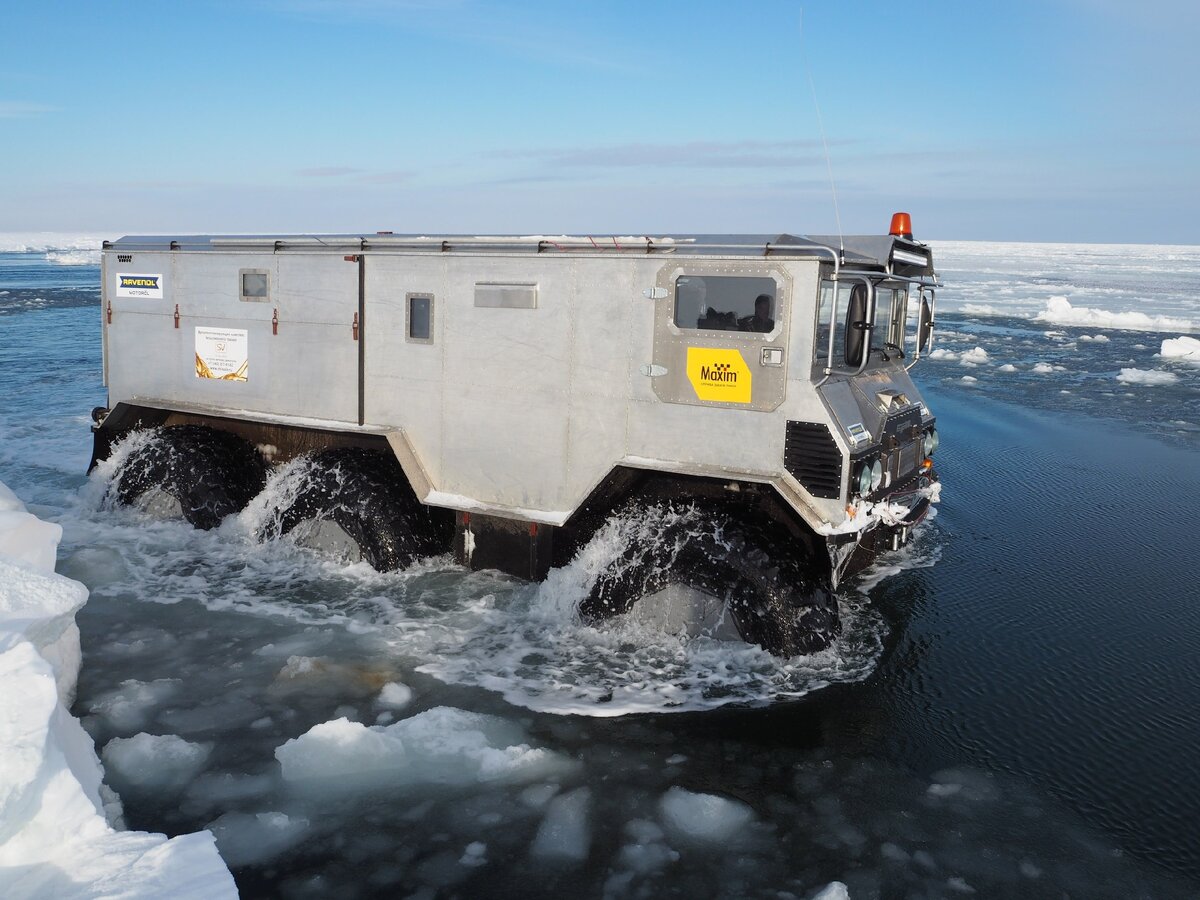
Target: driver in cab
{"type": "Point", "coordinates": [761, 320]}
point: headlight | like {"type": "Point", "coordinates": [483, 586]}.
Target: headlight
{"type": "Point", "coordinates": [864, 479]}
{"type": "Point", "coordinates": [876, 475]}
{"type": "Point", "coordinates": [931, 441]}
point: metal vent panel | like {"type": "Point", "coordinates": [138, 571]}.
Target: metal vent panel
{"type": "Point", "coordinates": [812, 456]}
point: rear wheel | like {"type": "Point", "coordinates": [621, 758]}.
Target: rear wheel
{"type": "Point", "coordinates": [190, 471]}
{"type": "Point", "coordinates": [777, 595]}
{"type": "Point", "coordinates": [357, 504]}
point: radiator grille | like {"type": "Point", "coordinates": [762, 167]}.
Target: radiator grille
{"type": "Point", "coordinates": [813, 458]}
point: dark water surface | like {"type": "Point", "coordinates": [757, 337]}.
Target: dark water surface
{"type": "Point", "coordinates": [1029, 728]}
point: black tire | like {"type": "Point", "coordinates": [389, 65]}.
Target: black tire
{"type": "Point", "coordinates": [366, 493]}
{"type": "Point", "coordinates": [778, 594]}
{"type": "Point", "coordinates": [210, 473]}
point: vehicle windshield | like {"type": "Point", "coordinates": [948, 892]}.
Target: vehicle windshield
{"type": "Point", "coordinates": [889, 333]}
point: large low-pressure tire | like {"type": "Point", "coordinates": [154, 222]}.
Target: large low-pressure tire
{"type": "Point", "coordinates": [778, 596]}
{"type": "Point", "coordinates": [192, 471]}
{"type": "Point", "coordinates": [357, 502]}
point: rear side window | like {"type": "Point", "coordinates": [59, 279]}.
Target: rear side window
{"type": "Point", "coordinates": [726, 302]}
{"type": "Point", "coordinates": [418, 318]}
{"type": "Point", "coordinates": [256, 285]}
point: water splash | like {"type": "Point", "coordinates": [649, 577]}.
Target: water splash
{"type": "Point", "coordinates": [524, 641]}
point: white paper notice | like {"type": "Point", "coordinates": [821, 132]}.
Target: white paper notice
{"type": "Point", "coordinates": [222, 353]}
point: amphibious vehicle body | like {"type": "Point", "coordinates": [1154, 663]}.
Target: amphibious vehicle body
{"type": "Point", "coordinates": [747, 397]}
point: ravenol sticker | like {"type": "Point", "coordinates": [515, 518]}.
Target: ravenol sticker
{"type": "Point", "coordinates": [223, 354]}
{"type": "Point", "coordinates": [145, 287]}
{"type": "Point", "coordinates": [719, 375]}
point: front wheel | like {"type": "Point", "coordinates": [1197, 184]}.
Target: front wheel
{"type": "Point", "coordinates": [777, 594]}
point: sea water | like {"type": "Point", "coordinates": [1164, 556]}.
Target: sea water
{"type": "Point", "coordinates": [1011, 712]}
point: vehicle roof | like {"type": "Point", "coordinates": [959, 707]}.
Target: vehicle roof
{"type": "Point", "coordinates": [855, 250]}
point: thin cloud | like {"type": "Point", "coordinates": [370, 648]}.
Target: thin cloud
{"type": "Point", "coordinates": [694, 154]}
{"type": "Point", "coordinates": [385, 178]}
{"type": "Point", "coordinates": [15, 109]}
{"type": "Point", "coordinates": [327, 172]}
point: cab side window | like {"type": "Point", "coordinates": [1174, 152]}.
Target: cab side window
{"type": "Point", "coordinates": [747, 303]}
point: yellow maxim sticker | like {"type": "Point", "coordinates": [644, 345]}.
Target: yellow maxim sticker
{"type": "Point", "coordinates": [720, 375]}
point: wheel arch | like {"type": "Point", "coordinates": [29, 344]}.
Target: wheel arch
{"type": "Point", "coordinates": [624, 483]}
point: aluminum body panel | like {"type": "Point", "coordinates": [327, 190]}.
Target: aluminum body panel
{"type": "Point", "coordinates": [308, 368]}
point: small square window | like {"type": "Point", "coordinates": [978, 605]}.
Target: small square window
{"type": "Point", "coordinates": [256, 285]}
{"type": "Point", "coordinates": [419, 318]}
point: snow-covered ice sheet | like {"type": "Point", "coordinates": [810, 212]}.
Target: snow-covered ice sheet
{"type": "Point", "coordinates": [56, 833]}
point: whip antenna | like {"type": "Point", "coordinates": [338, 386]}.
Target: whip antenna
{"type": "Point", "coordinates": [837, 215]}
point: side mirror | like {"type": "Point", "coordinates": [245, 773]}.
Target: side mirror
{"type": "Point", "coordinates": [924, 325]}
{"type": "Point", "coordinates": [858, 330]}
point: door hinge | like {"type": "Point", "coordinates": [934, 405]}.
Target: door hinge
{"type": "Point", "coordinates": [655, 293]}
{"type": "Point", "coordinates": [653, 371]}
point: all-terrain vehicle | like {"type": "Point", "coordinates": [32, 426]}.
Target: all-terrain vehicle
{"type": "Point", "coordinates": [745, 400]}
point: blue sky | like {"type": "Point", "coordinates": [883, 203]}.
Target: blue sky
{"type": "Point", "coordinates": [1071, 120]}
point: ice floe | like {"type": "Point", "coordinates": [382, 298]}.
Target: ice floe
{"type": "Point", "coordinates": [704, 818]}
{"type": "Point", "coordinates": [56, 817]}
{"type": "Point", "coordinates": [44, 241]}
{"type": "Point", "coordinates": [247, 839]}
{"type": "Point", "coordinates": [394, 695]}
{"type": "Point", "coordinates": [443, 745]}
{"type": "Point", "coordinates": [1183, 348]}
{"type": "Point", "coordinates": [1059, 311]}
{"type": "Point", "coordinates": [565, 835]}
{"type": "Point", "coordinates": [1150, 377]}
{"type": "Point", "coordinates": [153, 762]}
